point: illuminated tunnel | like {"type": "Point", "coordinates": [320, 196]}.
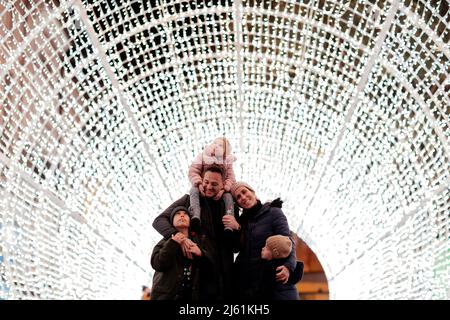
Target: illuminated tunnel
{"type": "Point", "coordinates": [341, 108]}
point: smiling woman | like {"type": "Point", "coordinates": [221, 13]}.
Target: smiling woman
{"type": "Point", "coordinates": [340, 107]}
{"type": "Point", "coordinates": [258, 223]}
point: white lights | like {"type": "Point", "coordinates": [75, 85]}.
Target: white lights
{"type": "Point", "coordinates": [103, 105]}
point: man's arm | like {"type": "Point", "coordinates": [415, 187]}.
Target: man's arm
{"type": "Point", "coordinates": [162, 222]}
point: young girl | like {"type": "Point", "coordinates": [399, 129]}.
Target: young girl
{"type": "Point", "coordinates": [217, 153]}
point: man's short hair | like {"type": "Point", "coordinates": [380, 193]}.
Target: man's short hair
{"type": "Point", "coordinates": [216, 169]}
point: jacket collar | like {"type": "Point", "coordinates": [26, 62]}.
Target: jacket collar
{"type": "Point", "coordinates": [277, 203]}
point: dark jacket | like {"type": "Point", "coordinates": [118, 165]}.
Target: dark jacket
{"type": "Point", "coordinates": [257, 224]}
{"type": "Point", "coordinates": [167, 260]}
{"type": "Point", "coordinates": [270, 290]}
{"type": "Point", "coordinates": [215, 281]}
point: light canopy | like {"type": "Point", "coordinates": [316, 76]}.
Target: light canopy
{"type": "Point", "coordinates": [339, 107]}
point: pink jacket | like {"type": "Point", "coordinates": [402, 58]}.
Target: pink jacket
{"type": "Point", "coordinates": [205, 159]}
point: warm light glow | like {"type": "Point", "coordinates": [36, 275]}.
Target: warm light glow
{"type": "Point", "coordinates": [339, 107]}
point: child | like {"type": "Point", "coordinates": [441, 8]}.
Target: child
{"type": "Point", "coordinates": [176, 277]}
{"type": "Point", "coordinates": [274, 254]}
{"type": "Point", "coordinates": [217, 153]}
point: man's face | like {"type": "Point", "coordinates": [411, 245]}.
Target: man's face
{"type": "Point", "coordinates": [212, 183]}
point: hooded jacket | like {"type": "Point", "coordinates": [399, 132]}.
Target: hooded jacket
{"type": "Point", "coordinates": [204, 160]}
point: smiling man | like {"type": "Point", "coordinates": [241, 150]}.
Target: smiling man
{"type": "Point", "coordinates": [215, 278]}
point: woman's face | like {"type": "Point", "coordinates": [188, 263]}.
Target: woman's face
{"type": "Point", "coordinates": [245, 198]}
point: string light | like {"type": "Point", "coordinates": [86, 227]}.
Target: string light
{"type": "Point", "coordinates": [339, 107]}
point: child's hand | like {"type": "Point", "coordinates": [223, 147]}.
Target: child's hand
{"type": "Point", "coordinates": [201, 189]}
{"type": "Point", "coordinates": [219, 195]}
{"type": "Point", "coordinates": [195, 250]}
{"type": "Point", "coordinates": [197, 182]}
{"type": "Point", "coordinates": [179, 237]}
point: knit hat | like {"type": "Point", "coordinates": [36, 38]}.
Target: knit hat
{"type": "Point", "coordinates": [237, 185]}
{"type": "Point", "coordinates": [177, 209]}
{"type": "Point", "coordinates": [280, 246]}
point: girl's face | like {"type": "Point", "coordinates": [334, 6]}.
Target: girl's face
{"type": "Point", "coordinates": [219, 142]}
{"type": "Point", "coordinates": [245, 198]}
{"type": "Point", "coordinates": [222, 148]}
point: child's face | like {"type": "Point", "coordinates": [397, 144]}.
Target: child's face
{"type": "Point", "coordinates": [220, 146]}
{"type": "Point", "coordinates": [266, 254]}
{"type": "Point", "coordinates": [219, 142]}
{"type": "Point", "coordinates": [181, 220]}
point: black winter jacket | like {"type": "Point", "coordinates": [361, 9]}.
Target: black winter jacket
{"type": "Point", "coordinates": [270, 290]}
{"type": "Point", "coordinates": [167, 260]}
{"type": "Point", "coordinates": [256, 227]}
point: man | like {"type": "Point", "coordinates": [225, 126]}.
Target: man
{"type": "Point", "coordinates": [215, 282]}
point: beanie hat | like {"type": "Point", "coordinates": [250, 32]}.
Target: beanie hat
{"type": "Point", "coordinates": [280, 246]}
{"type": "Point", "coordinates": [237, 185]}
{"type": "Point", "coordinates": [177, 209]}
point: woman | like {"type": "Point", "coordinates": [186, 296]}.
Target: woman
{"type": "Point", "coordinates": [258, 222]}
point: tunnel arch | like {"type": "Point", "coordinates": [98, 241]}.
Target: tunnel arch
{"type": "Point", "coordinates": [340, 107]}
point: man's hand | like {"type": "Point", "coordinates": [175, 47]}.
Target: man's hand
{"type": "Point", "coordinates": [230, 222]}
{"type": "Point", "coordinates": [282, 274]}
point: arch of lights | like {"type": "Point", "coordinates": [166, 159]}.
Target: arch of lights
{"type": "Point", "coordinates": [340, 107]}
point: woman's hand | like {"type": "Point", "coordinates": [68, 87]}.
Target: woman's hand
{"type": "Point", "coordinates": [282, 274]}
{"type": "Point", "coordinates": [230, 222]}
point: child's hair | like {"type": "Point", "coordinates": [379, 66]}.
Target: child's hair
{"type": "Point", "coordinates": [280, 246]}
